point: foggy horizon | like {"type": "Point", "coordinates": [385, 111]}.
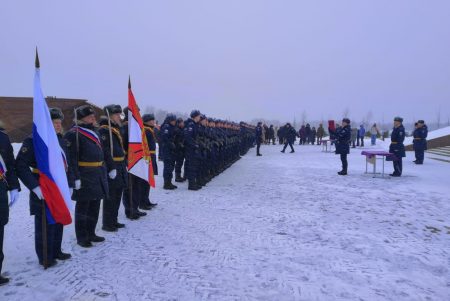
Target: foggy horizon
{"type": "Point", "coordinates": [242, 61]}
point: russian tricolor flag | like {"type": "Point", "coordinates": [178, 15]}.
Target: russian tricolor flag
{"type": "Point", "coordinates": [50, 162]}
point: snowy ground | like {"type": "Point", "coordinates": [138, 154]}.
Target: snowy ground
{"type": "Point", "coordinates": [277, 227]}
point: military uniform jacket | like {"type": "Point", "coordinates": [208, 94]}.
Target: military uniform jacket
{"type": "Point", "coordinates": [87, 159]}
{"type": "Point", "coordinates": [151, 140]}
{"type": "Point", "coordinates": [179, 141]}
{"type": "Point", "coordinates": [8, 178]}
{"type": "Point", "coordinates": [343, 136]}
{"type": "Point", "coordinates": [28, 173]}
{"type": "Point", "coordinates": [117, 161]}
{"type": "Point", "coordinates": [290, 134]}
{"type": "Point", "coordinates": [397, 137]}
{"type": "Point", "coordinates": [191, 136]}
{"type": "Point", "coordinates": [259, 134]}
{"type": "Point", "coordinates": [420, 138]}
{"type": "Point", "coordinates": [168, 140]}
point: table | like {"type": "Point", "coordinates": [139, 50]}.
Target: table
{"type": "Point", "coordinates": [373, 155]}
{"type": "Point", "coordinates": [325, 144]}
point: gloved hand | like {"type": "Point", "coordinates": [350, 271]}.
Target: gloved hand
{"type": "Point", "coordinates": [71, 191]}
{"type": "Point", "coordinates": [112, 174]}
{"type": "Point", "coordinates": [13, 196]}
{"type": "Point", "coordinates": [38, 192]}
{"type": "Point", "coordinates": [77, 184]}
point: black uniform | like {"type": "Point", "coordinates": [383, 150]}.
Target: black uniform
{"type": "Point", "coordinates": [191, 152]}
{"type": "Point", "coordinates": [116, 186]}
{"type": "Point", "coordinates": [420, 143]}
{"type": "Point", "coordinates": [168, 150]}
{"type": "Point", "coordinates": [343, 136]}
{"type": "Point", "coordinates": [28, 173]}
{"type": "Point", "coordinates": [289, 138]}
{"type": "Point", "coordinates": [8, 181]}
{"type": "Point", "coordinates": [259, 139]}
{"type": "Point", "coordinates": [88, 162]}
{"type": "Point", "coordinates": [151, 140]}
{"type": "Point", "coordinates": [398, 149]}
{"type": "Point", "coordinates": [179, 152]}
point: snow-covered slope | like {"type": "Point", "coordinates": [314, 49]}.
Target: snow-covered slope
{"type": "Point", "coordinates": [431, 135]}
{"type": "Point", "coordinates": [277, 227]}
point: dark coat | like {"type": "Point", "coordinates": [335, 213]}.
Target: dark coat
{"type": "Point", "coordinates": [9, 180]}
{"type": "Point", "coordinates": [117, 161]}
{"type": "Point", "coordinates": [151, 140]}
{"type": "Point", "coordinates": [420, 138]}
{"type": "Point", "coordinates": [290, 134]}
{"type": "Point", "coordinates": [26, 167]}
{"type": "Point", "coordinates": [259, 134]}
{"type": "Point", "coordinates": [167, 139]}
{"type": "Point", "coordinates": [190, 135]}
{"type": "Point", "coordinates": [94, 183]}
{"type": "Point", "coordinates": [397, 137]}
{"type": "Point", "coordinates": [343, 136]}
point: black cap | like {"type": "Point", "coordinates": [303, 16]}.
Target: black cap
{"type": "Point", "coordinates": [56, 113]}
{"type": "Point", "coordinates": [103, 120]}
{"type": "Point", "coordinates": [195, 113]}
{"type": "Point", "coordinates": [148, 117]}
{"type": "Point", "coordinates": [180, 120]}
{"type": "Point", "coordinates": [399, 119]}
{"type": "Point", "coordinates": [346, 120]}
{"type": "Point", "coordinates": [171, 117]}
{"type": "Point", "coordinates": [113, 109]}
{"type": "Point", "coordinates": [84, 111]}
{"type": "Point", "coordinates": [421, 121]}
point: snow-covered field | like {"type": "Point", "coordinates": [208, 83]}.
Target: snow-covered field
{"type": "Point", "coordinates": [277, 227]}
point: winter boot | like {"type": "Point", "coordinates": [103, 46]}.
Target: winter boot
{"type": "Point", "coordinates": [178, 178]}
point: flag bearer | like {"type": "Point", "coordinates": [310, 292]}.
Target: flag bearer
{"type": "Point", "coordinates": [29, 174]}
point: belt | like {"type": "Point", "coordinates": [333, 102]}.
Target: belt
{"type": "Point", "coordinates": [417, 138]}
{"type": "Point", "coordinates": [152, 152]}
{"type": "Point", "coordinates": [118, 159]}
{"type": "Point", "coordinates": [34, 170]}
{"type": "Point", "coordinates": [394, 142]}
{"type": "Point", "coordinates": [90, 164]}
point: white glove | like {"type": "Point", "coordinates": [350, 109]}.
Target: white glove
{"type": "Point", "coordinates": [71, 191]}
{"type": "Point", "coordinates": [38, 192]}
{"type": "Point", "coordinates": [77, 184]}
{"type": "Point", "coordinates": [13, 196]}
{"type": "Point", "coordinates": [112, 174]}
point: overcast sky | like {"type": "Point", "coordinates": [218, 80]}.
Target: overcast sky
{"type": "Point", "coordinates": [238, 59]}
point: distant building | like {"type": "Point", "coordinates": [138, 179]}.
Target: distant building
{"type": "Point", "coordinates": [16, 114]}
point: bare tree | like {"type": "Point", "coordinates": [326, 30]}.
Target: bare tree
{"type": "Point", "coordinates": [438, 119]}
{"type": "Point", "coordinates": [346, 112]}
{"type": "Point", "coordinates": [304, 117]}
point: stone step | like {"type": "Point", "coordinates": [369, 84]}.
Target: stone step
{"type": "Point", "coordinates": [439, 159]}
{"type": "Point", "coordinates": [436, 152]}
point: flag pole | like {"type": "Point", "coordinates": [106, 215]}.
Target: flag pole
{"type": "Point", "coordinates": [130, 182]}
{"type": "Point", "coordinates": [44, 216]}
{"type": "Point", "coordinates": [110, 134]}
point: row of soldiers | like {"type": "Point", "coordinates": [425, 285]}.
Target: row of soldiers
{"type": "Point", "coordinates": [95, 153]}
{"type": "Point", "coordinates": [204, 146]}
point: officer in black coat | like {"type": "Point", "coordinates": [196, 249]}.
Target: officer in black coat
{"type": "Point", "coordinates": [168, 149]}
{"type": "Point", "coordinates": [289, 136]}
{"type": "Point", "coordinates": [91, 184]}
{"type": "Point", "coordinates": [27, 171]}
{"type": "Point", "coordinates": [150, 134]}
{"type": "Point", "coordinates": [258, 137]}
{"type": "Point", "coordinates": [113, 148]}
{"type": "Point", "coordinates": [179, 150]}
{"type": "Point", "coordinates": [8, 182]}
{"type": "Point", "coordinates": [420, 141]}
{"type": "Point", "coordinates": [397, 147]}
{"type": "Point", "coordinates": [343, 136]}
{"type": "Point", "coordinates": [192, 151]}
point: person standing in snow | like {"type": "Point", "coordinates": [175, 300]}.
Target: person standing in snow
{"type": "Point", "coordinates": [313, 135]}
{"type": "Point", "coordinates": [26, 167]}
{"type": "Point", "coordinates": [258, 137]}
{"type": "Point", "coordinates": [397, 148]}
{"type": "Point", "coordinates": [343, 136]}
{"type": "Point", "coordinates": [354, 136]}
{"type": "Point", "coordinates": [289, 137]}
{"type": "Point", "coordinates": [361, 133]}
{"type": "Point", "coordinates": [8, 183]}
{"type": "Point", "coordinates": [374, 132]}
{"type": "Point", "coordinates": [420, 141]}
{"type": "Point", "coordinates": [320, 134]}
